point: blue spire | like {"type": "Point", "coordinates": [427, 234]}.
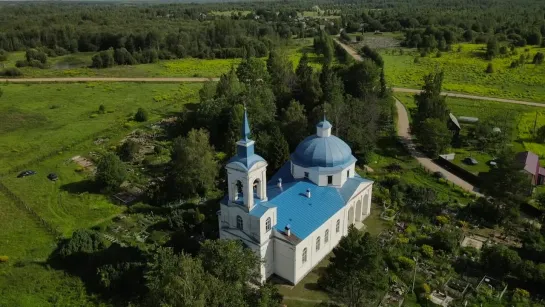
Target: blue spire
{"type": "Point", "coordinates": [245, 127]}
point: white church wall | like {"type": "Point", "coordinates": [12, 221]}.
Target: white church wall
{"type": "Point", "coordinates": [284, 261]}
{"type": "Point", "coordinates": [267, 256]}
{"type": "Point", "coordinates": [263, 233]}
{"type": "Point", "coordinates": [315, 256]}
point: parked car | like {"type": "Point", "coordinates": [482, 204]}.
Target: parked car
{"type": "Point", "coordinates": [53, 177]}
{"type": "Point", "coordinates": [26, 173]}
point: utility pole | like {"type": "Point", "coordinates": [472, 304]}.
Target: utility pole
{"type": "Point", "coordinates": [414, 275]}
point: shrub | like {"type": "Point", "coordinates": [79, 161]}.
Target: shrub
{"type": "Point", "coordinates": [489, 68]}
{"type": "Point", "coordinates": [101, 109]}
{"type": "Point", "coordinates": [141, 115]}
{"type": "Point", "coordinates": [416, 60]}
{"type": "Point", "coordinates": [438, 54]}
{"type": "Point", "coordinates": [538, 58]}
{"type": "Point", "coordinates": [94, 115]}
{"type": "Point", "coordinates": [129, 150]}
{"type": "Point", "coordinates": [441, 219]}
{"type": "Point", "coordinates": [427, 251]}
{"type": "Point", "coordinates": [405, 262]}
{"type": "Point", "coordinates": [3, 55]}
{"type": "Point", "coordinates": [12, 72]}
{"type": "Point", "coordinates": [4, 259]}
{"type": "Point", "coordinates": [111, 172]}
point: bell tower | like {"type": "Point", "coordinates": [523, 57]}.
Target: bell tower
{"type": "Point", "coordinates": [247, 171]}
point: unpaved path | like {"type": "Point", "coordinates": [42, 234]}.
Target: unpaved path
{"type": "Point", "coordinates": [105, 79]}
{"type": "Point", "coordinates": [405, 137]}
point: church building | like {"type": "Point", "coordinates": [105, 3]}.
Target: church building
{"type": "Point", "coordinates": [294, 219]}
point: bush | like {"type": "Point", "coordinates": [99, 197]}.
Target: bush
{"type": "Point", "coordinates": [538, 58]}
{"type": "Point", "coordinates": [129, 150]}
{"type": "Point", "coordinates": [141, 115]}
{"type": "Point", "coordinates": [4, 259]}
{"type": "Point", "coordinates": [3, 55]}
{"type": "Point", "coordinates": [427, 251]}
{"type": "Point", "coordinates": [405, 262]}
{"type": "Point", "coordinates": [416, 60]}
{"type": "Point", "coordinates": [101, 109]}
{"type": "Point", "coordinates": [12, 72]}
{"type": "Point", "coordinates": [489, 68]}
{"type": "Point", "coordinates": [111, 172]}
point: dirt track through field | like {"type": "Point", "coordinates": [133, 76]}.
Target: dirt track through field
{"type": "Point", "coordinates": [105, 79]}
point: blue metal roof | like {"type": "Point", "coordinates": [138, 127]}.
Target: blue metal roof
{"type": "Point", "coordinates": [259, 209]}
{"type": "Point", "coordinates": [350, 186]}
{"type": "Point", "coordinates": [305, 214]}
{"type": "Point", "coordinates": [322, 151]}
{"type": "Point", "coordinates": [324, 124]}
{"type": "Point", "coordinates": [248, 162]}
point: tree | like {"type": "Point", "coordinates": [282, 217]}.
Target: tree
{"type": "Point", "coordinates": [194, 166]}
{"type": "Point", "coordinates": [335, 104]}
{"type": "Point", "coordinates": [129, 150]}
{"type": "Point", "coordinates": [141, 115]}
{"type": "Point", "coordinates": [362, 79]}
{"type": "Point", "coordinates": [111, 172]}
{"type": "Point", "coordinates": [83, 241]}
{"type": "Point", "coordinates": [534, 38]}
{"type": "Point", "coordinates": [499, 260]}
{"type": "Point", "coordinates": [434, 136]}
{"type": "Point", "coordinates": [445, 239]}
{"type": "Point", "coordinates": [540, 134]}
{"type": "Point", "coordinates": [506, 181]}
{"type": "Point", "coordinates": [176, 281]}
{"type": "Point", "coordinates": [355, 275]}
{"type": "Point", "coordinates": [430, 103]}
{"type": "Point", "coordinates": [492, 48]}
{"type": "Point", "coordinates": [282, 78]}
{"type": "Point", "coordinates": [307, 89]}
{"type": "Point", "coordinates": [279, 150]}
{"type": "Point", "coordinates": [360, 124]}
{"type": "Point", "coordinates": [229, 261]}
{"type": "Point", "coordinates": [294, 124]}
{"type": "Point", "coordinates": [251, 71]}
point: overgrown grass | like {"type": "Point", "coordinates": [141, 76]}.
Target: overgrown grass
{"type": "Point", "coordinates": [25, 280]}
{"type": "Point", "coordinates": [465, 72]}
{"type": "Point", "coordinates": [40, 119]}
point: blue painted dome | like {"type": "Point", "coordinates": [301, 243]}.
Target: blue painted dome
{"type": "Point", "coordinates": [319, 151]}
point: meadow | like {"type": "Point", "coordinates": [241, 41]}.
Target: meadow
{"type": "Point", "coordinates": [28, 245]}
{"type": "Point", "coordinates": [77, 65]}
{"type": "Point", "coordinates": [465, 71]}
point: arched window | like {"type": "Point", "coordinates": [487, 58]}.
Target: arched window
{"type": "Point", "coordinates": [268, 224]}
{"type": "Point", "coordinates": [256, 188]}
{"type": "Point", "coordinates": [318, 243]}
{"type": "Point", "coordinates": [326, 238]}
{"type": "Point", "coordinates": [239, 191]}
{"type": "Point", "coordinates": [240, 223]}
{"type": "Point", "coordinates": [304, 255]}
{"type": "Point", "coordinates": [338, 228]}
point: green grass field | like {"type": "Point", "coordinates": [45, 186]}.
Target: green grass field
{"type": "Point", "coordinates": [41, 119]}
{"type": "Point", "coordinates": [24, 279]}
{"type": "Point", "coordinates": [465, 72]}
{"type": "Point", "coordinates": [77, 65]}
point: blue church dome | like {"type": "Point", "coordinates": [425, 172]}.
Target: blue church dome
{"type": "Point", "coordinates": [321, 151]}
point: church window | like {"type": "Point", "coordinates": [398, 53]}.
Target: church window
{"type": "Point", "coordinates": [240, 223]}
{"type": "Point", "coordinates": [326, 237]}
{"type": "Point", "coordinates": [268, 224]}
{"type": "Point", "coordinates": [348, 174]}
{"type": "Point", "coordinates": [318, 244]}
{"type": "Point", "coordinates": [338, 228]}
{"type": "Point", "coordinates": [329, 179]}
{"type": "Point", "coordinates": [306, 175]}
{"type": "Point", "coordinates": [304, 255]}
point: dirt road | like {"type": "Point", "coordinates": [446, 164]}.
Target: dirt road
{"type": "Point", "coordinates": [104, 79]}
{"type": "Point", "coordinates": [405, 137]}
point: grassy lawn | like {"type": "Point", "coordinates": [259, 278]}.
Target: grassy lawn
{"type": "Point", "coordinates": [294, 303]}
{"type": "Point", "coordinates": [307, 288]}
{"type": "Point", "coordinates": [28, 245]}
{"type": "Point", "coordinates": [42, 119]}
{"type": "Point", "coordinates": [465, 72]}
{"type": "Point", "coordinates": [77, 65]}
{"type": "Point", "coordinates": [52, 136]}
